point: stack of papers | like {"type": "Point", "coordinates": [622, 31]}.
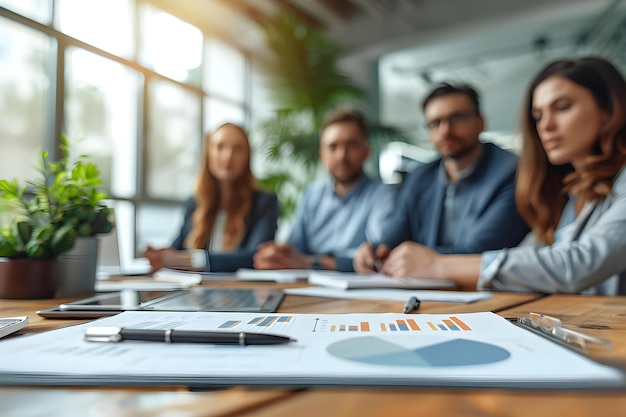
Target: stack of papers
{"type": "Point", "coordinates": [162, 280]}
{"type": "Point", "coordinates": [346, 280]}
{"type": "Point", "coordinates": [418, 350]}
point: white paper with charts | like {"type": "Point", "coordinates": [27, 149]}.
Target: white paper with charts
{"type": "Point", "coordinates": [462, 350]}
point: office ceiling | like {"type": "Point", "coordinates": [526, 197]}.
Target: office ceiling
{"type": "Point", "coordinates": [375, 27]}
{"type": "Point", "coordinates": [404, 46]}
{"type": "Point", "coordinates": [370, 29]}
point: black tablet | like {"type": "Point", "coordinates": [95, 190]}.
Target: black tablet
{"type": "Point", "coordinates": [194, 299]}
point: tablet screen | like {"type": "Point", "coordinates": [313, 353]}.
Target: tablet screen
{"type": "Point", "coordinates": [218, 299]}
{"type": "Point", "coordinates": [122, 300]}
{"type": "Point", "coordinates": [194, 299]}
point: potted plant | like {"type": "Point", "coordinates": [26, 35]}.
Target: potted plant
{"type": "Point", "coordinates": [64, 207]}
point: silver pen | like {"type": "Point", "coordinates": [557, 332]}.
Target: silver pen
{"type": "Point", "coordinates": [412, 304]}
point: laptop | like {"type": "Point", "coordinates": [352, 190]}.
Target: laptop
{"type": "Point", "coordinates": [110, 263]}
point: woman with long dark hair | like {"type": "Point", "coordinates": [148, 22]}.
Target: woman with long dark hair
{"type": "Point", "coordinates": [228, 216]}
{"type": "Point", "coordinates": [571, 190]}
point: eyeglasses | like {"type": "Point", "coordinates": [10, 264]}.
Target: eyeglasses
{"type": "Point", "coordinates": [551, 326]}
{"type": "Point", "coordinates": [454, 119]}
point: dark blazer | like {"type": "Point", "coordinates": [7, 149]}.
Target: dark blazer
{"type": "Point", "coordinates": [489, 218]}
{"type": "Point", "coordinates": [260, 225]}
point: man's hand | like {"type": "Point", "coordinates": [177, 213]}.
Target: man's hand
{"type": "Point", "coordinates": [411, 259]}
{"type": "Point", "coordinates": [272, 255]}
{"type": "Point", "coordinates": [366, 260]}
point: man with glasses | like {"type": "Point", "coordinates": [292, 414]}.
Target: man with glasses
{"type": "Point", "coordinates": [462, 203]}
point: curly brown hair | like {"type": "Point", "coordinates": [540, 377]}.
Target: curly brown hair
{"type": "Point", "coordinates": [542, 187]}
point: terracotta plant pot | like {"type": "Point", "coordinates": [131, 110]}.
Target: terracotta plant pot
{"type": "Point", "coordinates": [28, 278]}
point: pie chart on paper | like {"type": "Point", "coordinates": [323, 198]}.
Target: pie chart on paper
{"type": "Point", "coordinates": [457, 352]}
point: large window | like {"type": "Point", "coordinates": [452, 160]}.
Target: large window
{"type": "Point", "coordinates": [217, 112]}
{"type": "Point", "coordinates": [174, 140]}
{"type": "Point", "coordinates": [101, 110]}
{"type": "Point", "coordinates": [170, 46]}
{"type": "Point", "coordinates": [224, 76]}
{"type": "Point", "coordinates": [25, 98]}
{"type": "Point", "coordinates": [106, 24]}
{"type": "Point", "coordinates": [39, 10]}
{"type": "Point", "coordinates": [224, 71]}
{"type": "Point", "coordinates": [139, 87]}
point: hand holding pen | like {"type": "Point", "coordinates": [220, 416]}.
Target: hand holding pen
{"type": "Point", "coordinates": [370, 257]}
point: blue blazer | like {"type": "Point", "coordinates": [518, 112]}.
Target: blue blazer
{"type": "Point", "coordinates": [489, 218]}
{"type": "Point", "coordinates": [260, 224]}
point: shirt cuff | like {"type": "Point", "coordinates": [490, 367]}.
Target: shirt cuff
{"type": "Point", "coordinates": [343, 264]}
{"type": "Point", "coordinates": [490, 263]}
{"type": "Point", "coordinates": [198, 259]}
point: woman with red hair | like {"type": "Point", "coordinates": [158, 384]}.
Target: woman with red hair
{"type": "Point", "coordinates": [228, 216]}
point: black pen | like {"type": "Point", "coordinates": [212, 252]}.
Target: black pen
{"type": "Point", "coordinates": [378, 264]}
{"type": "Point", "coordinates": [120, 334]}
{"type": "Point", "coordinates": [412, 304]}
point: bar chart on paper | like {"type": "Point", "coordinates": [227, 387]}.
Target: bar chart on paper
{"type": "Point", "coordinates": [375, 350]}
{"type": "Point", "coordinates": [272, 323]}
{"type": "Point", "coordinates": [451, 323]}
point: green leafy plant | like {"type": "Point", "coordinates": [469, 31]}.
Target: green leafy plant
{"type": "Point", "coordinates": [63, 204]}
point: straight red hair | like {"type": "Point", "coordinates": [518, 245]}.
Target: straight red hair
{"type": "Point", "coordinates": [208, 200]}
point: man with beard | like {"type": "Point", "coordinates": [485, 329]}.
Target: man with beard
{"type": "Point", "coordinates": [336, 215]}
{"type": "Point", "coordinates": [462, 203]}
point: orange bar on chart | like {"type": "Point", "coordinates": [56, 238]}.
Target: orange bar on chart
{"type": "Point", "coordinates": [413, 325]}
{"type": "Point", "coordinates": [460, 323]}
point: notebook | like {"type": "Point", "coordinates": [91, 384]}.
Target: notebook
{"type": "Point", "coordinates": [347, 280]}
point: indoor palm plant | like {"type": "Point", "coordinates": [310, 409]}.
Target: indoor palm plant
{"type": "Point", "coordinates": [63, 204]}
{"type": "Point", "coordinates": [305, 83]}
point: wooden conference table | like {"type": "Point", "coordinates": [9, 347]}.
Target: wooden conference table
{"type": "Point", "coordinates": [601, 316]}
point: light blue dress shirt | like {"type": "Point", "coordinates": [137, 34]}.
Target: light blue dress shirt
{"type": "Point", "coordinates": [328, 224]}
{"type": "Point", "coordinates": [456, 198]}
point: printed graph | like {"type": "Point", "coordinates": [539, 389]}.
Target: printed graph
{"type": "Point", "coordinates": [457, 352]}
{"type": "Point", "coordinates": [451, 323]}
{"type": "Point", "coordinates": [259, 323]}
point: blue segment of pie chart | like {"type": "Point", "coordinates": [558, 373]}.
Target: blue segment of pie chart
{"type": "Point", "coordinates": [457, 352]}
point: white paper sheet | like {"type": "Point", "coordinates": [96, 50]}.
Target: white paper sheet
{"type": "Point", "coordinates": [462, 350]}
{"type": "Point", "coordinates": [110, 286]}
{"type": "Point", "coordinates": [279, 275]}
{"type": "Point", "coordinates": [391, 294]}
